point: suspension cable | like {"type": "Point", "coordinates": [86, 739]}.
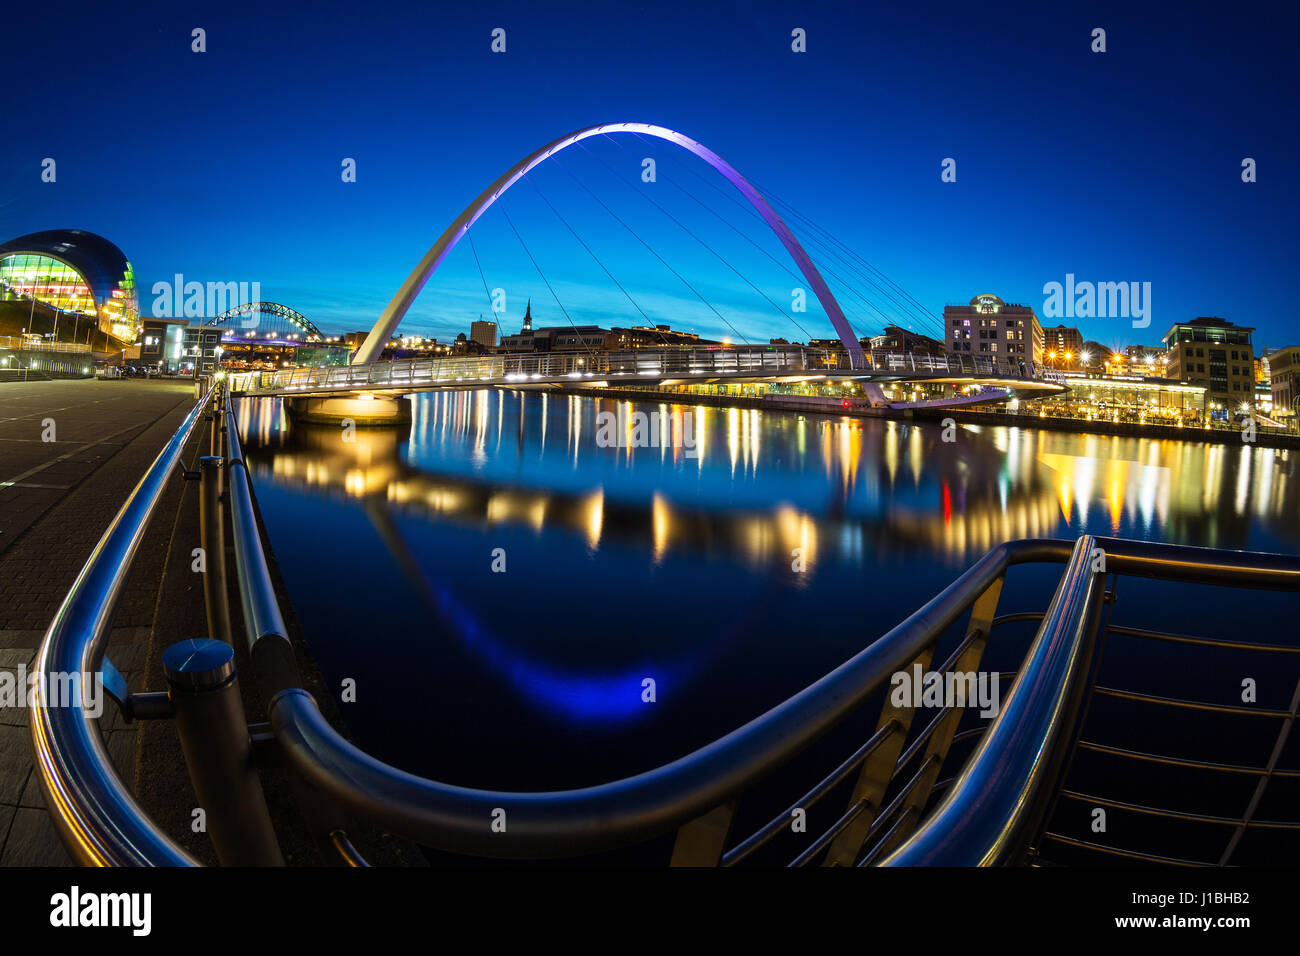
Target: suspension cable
{"type": "Point", "coordinates": [681, 278]}
{"type": "Point", "coordinates": [593, 255]}
{"type": "Point", "coordinates": [480, 267]}
{"type": "Point", "coordinates": [749, 209]}
{"type": "Point", "coordinates": [547, 281]}
{"type": "Point", "coordinates": [689, 232]}
{"type": "Point", "coordinates": [919, 314]}
{"type": "Point", "coordinates": [916, 309]}
{"type": "Point", "coordinates": [729, 224]}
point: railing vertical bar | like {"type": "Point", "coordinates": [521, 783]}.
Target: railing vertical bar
{"type": "Point", "coordinates": [876, 774]}
{"type": "Point", "coordinates": [1279, 745]}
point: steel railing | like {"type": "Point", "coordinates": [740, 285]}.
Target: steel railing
{"type": "Point", "coordinates": [991, 813]}
{"type": "Point", "coordinates": [20, 343]}
{"type": "Point", "coordinates": [996, 810]}
{"type": "Point", "coordinates": [1153, 422]}
{"type": "Point", "coordinates": [691, 794]}
{"type": "Point", "coordinates": [907, 794]}
{"type": "Point", "coordinates": [99, 820]}
{"type": "Point", "coordinates": [896, 767]}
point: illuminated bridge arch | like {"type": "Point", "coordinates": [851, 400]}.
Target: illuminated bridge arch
{"type": "Point", "coordinates": [396, 310]}
{"type": "Point", "coordinates": [284, 319]}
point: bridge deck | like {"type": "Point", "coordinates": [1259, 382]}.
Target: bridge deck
{"type": "Point", "coordinates": [641, 366]}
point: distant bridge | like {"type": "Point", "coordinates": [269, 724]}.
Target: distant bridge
{"type": "Point", "coordinates": [268, 322]}
{"type": "Point", "coordinates": [653, 367]}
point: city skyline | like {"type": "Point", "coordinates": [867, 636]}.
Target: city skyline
{"type": "Point", "coordinates": [1056, 174]}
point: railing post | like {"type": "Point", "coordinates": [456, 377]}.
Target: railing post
{"type": "Point", "coordinates": [701, 841]}
{"type": "Point", "coordinates": [995, 809]}
{"type": "Point", "coordinates": [212, 539]}
{"type": "Point", "coordinates": [875, 776]}
{"type": "Point", "coordinates": [204, 691]}
{"type": "Point", "coordinates": [214, 438]}
{"type": "Point", "coordinates": [936, 750]}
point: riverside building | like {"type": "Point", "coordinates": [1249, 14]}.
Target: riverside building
{"type": "Point", "coordinates": [1217, 354]}
{"type": "Point", "coordinates": [991, 328]}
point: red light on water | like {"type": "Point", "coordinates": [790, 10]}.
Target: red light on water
{"type": "Point", "coordinates": [845, 403]}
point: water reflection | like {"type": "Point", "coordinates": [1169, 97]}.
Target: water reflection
{"type": "Point", "coordinates": [761, 486]}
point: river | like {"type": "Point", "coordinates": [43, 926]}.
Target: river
{"type": "Point", "coordinates": [500, 585]}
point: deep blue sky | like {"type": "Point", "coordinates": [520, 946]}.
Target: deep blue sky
{"type": "Point", "coordinates": [224, 166]}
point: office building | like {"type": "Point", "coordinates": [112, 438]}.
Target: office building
{"type": "Point", "coordinates": [1214, 352]}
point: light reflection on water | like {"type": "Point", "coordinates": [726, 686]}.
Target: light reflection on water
{"type": "Point", "coordinates": [762, 485]}
{"type": "Point", "coordinates": [633, 562]}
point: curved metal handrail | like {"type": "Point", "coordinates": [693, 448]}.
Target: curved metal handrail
{"type": "Point", "coordinates": [1035, 725]}
{"type": "Point", "coordinates": [97, 818]}
{"type": "Point", "coordinates": [995, 806]}
{"type": "Point", "coordinates": [997, 798]}
{"type": "Point", "coordinates": [572, 822]}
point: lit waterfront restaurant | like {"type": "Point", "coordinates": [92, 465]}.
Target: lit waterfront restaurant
{"type": "Point", "coordinates": [1133, 398]}
{"type": "Point", "coordinates": [1125, 398]}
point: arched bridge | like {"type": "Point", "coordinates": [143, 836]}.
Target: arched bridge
{"type": "Point", "coordinates": [392, 316]}
{"type": "Point", "coordinates": [268, 321]}
{"type": "Point", "coordinates": [645, 366]}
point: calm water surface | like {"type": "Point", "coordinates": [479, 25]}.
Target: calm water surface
{"type": "Point", "coordinates": [625, 564]}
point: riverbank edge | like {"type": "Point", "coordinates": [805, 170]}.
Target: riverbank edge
{"type": "Point", "coordinates": [1215, 436]}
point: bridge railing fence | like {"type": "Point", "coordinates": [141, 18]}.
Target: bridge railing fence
{"type": "Point", "coordinates": [1014, 803]}
{"type": "Point", "coordinates": [553, 367]}
{"type": "Point", "coordinates": [21, 344]}
{"type": "Point", "coordinates": [885, 780]}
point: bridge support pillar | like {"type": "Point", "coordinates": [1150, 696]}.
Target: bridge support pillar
{"type": "Point", "coordinates": [359, 408]}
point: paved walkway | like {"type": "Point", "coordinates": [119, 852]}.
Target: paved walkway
{"type": "Point", "coordinates": [56, 499]}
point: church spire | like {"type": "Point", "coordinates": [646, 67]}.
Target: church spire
{"type": "Point", "coordinates": [528, 317]}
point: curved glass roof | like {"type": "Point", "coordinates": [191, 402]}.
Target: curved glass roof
{"type": "Point", "coordinates": [109, 278]}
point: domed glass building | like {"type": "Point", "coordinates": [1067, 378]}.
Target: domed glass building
{"type": "Point", "coordinates": [73, 271]}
